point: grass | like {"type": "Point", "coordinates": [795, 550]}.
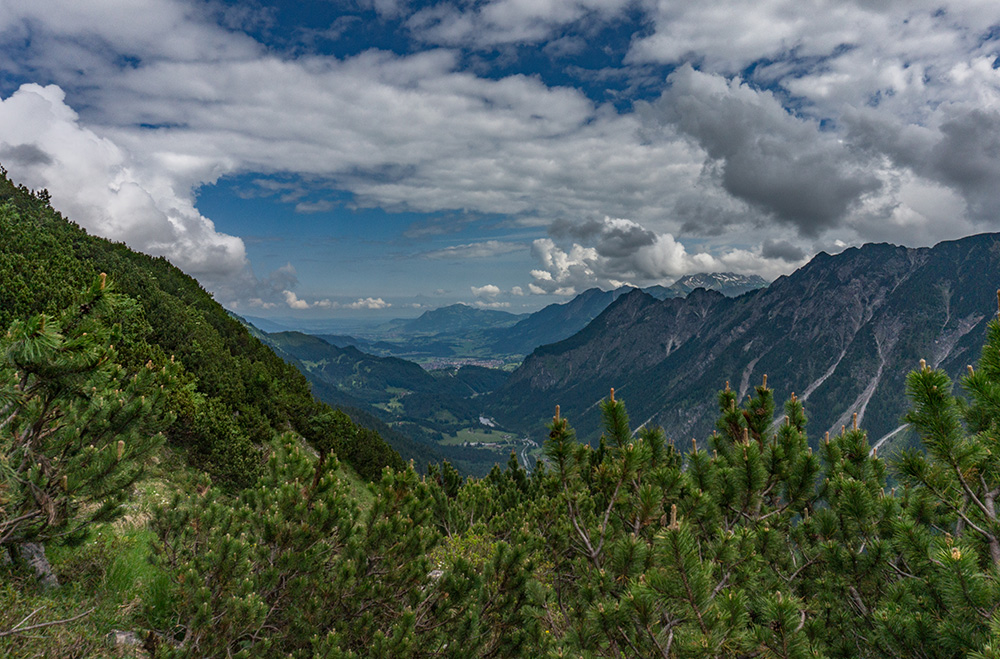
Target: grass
{"type": "Point", "coordinates": [394, 406]}
{"type": "Point", "coordinates": [108, 583]}
{"type": "Point", "coordinates": [480, 435]}
{"type": "Point", "coordinates": [110, 579]}
{"type": "Point", "coordinates": [357, 488]}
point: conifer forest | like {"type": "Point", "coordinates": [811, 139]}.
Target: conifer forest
{"type": "Point", "coordinates": [170, 488]}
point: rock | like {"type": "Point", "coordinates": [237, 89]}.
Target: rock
{"type": "Point", "coordinates": [33, 554]}
{"type": "Point", "coordinates": [122, 639]}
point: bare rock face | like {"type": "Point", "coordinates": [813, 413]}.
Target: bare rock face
{"type": "Point", "coordinates": [841, 332]}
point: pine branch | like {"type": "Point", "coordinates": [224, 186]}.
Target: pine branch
{"type": "Point", "coordinates": [991, 514]}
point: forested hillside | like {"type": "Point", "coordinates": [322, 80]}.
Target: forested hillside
{"type": "Point", "coordinates": [375, 391]}
{"type": "Point", "coordinates": [757, 546]}
{"type": "Point", "coordinates": [238, 393]}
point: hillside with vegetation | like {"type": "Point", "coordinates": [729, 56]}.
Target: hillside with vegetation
{"type": "Point", "coordinates": [438, 409]}
{"type": "Point", "coordinates": [237, 393]}
{"type": "Point", "coordinates": [175, 527]}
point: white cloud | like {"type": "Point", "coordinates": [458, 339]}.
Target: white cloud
{"type": "Point", "coordinates": [256, 302]}
{"type": "Point", "coordinates": [487, 296]}
{"type": "Point", "coordinates": [100, 185]}
{"type": "Point", "coordinates": [879, 123]}
{"type": "Point", "coordinates": [727, 35]}
{"type": "Point", "coordinates": [537, 290]}
{"type": "Point", "coordinates": [622, 251]}
{"type": "Point", "coordinates": [321, 206]}
{"type": "Point", "coordinates": [901, 94]}
{"type": "Point", "coordinates": [506, 21]}
{"type": "Point", "coordinates": [293, 301]}
{"type": "Point", "coordinates": [479, 250]}
{"type": "Point", "coordinates": [487, 291]}
{"type": "Point", "coordinates": [368, 303]}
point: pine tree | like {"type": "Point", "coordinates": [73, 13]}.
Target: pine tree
{"type": "Point", "coordinates": [950, 538]}
{"type": "Point", "coordinates": [76, 428]}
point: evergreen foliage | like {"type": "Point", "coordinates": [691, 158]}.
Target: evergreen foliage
{"type": "Point", "coordinates": [76, 427]}
{"type": "Point", "coordinates": [237, 394]}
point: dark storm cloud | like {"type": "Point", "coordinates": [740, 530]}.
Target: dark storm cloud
{"type": "Point", "coordinates": [963, 153]}
{"type": "Point", "coordinates": [586, 230]}
{"type": "Point", "coordinates": [762, 154]}
{"type": "Point", "coordinates": [782, 249]}
{"type": "Point", "coordinates": [611, 238]}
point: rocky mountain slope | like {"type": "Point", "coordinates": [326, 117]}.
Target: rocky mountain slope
{"type": "Point", "coordinates": [841, 332]}
{"type": "Point", "coordinates": [728, 283]}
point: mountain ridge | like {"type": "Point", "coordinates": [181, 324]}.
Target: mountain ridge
{"type": "Point", "coordinates": [842, 331]}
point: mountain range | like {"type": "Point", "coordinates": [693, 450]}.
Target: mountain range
{"type": "Point", "coordinates": [460, 331]}
{"type": "Point", "coordinates": [842, 332]}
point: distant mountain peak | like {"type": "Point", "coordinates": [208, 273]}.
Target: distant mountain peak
{"type": "Point", "coordinates": [729, 284]}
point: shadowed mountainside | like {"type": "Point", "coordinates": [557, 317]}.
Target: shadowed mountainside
{"type": "Point", "coordinates": [841, 332]}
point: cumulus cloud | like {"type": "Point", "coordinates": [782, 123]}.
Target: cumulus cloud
{"type": "Point", "coordinates": [608, 261]}
{"type": "Point", "coordinates": [368, 303]}
{"type": "Point", "coordinates": [101, 186]}
{"type": "Point", "coordinates": [258, 303]}
{"type": "Point", "coordinates": [293, 301]}
{"type": "Point", "coordinates": [487, 291]}
{"type": "Point", "coordinates": [774, 161]}
{"type": "Point", "coordinates": [486, 297]}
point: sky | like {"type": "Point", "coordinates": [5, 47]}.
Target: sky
{"type": "Point", "coordinates": [356, 158]}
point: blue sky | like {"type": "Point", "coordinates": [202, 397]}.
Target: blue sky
{"type": "Point", "coordinates": [355, 158]}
